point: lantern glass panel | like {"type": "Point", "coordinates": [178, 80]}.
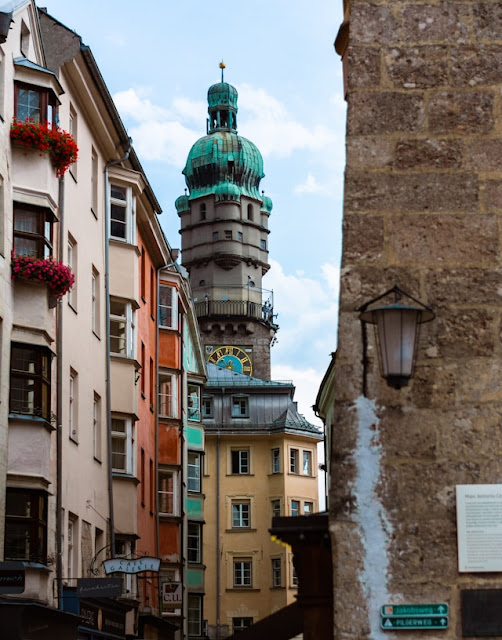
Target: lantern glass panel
{"type": "Point", "coordinates": [397, 336]}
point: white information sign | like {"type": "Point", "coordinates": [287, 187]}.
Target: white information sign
{"type": "Point", "coordinates": [479, 527]}
{"type": "Point", "coordinates": [172, 595]}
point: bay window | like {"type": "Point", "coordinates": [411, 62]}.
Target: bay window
{"type": "Point", "coordinates": [32, 231]}
{"type": "Point", "coordinates": [122, 445]}
{"type": "Point", "coordinates": [34, 103]}
{"type": "Point", "coordinates": [168, 492]}
{"type": "Point", "coordinates": [193, 479]}
{"type": "Point", "coordinates": [121, 213]}
{"type": "Point", "coordinates": [30, 380]}
{"type": "Point", "coordinates": [168, 307]}
{"type": "Point", "coordinates": [168, 396]}
{"type": "Point", "coordinates": [26, 525]}
{"type": "Point", "coordinates": [121, 328]}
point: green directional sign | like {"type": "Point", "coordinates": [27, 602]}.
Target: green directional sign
{"type": "Point", "coordinates": [415, 609]}
{"type": "Point", "coordinates": [414, 622]}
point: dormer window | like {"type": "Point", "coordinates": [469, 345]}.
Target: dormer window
{"type": "Point", "coordinates": [34, 103]}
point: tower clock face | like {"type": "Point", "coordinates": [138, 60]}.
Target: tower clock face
{"type": "Point", "coordinates": [233, 358]}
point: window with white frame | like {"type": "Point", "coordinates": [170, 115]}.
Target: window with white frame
{"type": "Point", "coordinates": [72, 547]}
{"type": "Point", "coordinates": [240, 407]}
{"type": "Point", "coordinates": [73, 131]}
{"type": "Point", "coordinates": [168, 492]}
{"type": "Point", "coordinates": [194, 546]}
{"type": "Point", "coordinates": [294, 575]}
{"type": "Point", "coordinates": [294, 461]}
{"type": "Point", "coordinates": [96, 426]}
{"type": "Point", "coordinates": [276, 508]}
{"type": "Point", "coordinates": [239, 461]}
{"type": "Point", "coordinates": [168, 395]}
{"type": "Point", "coordinates": [95, 301]}
{"type": "Point", "coordinates": [239, 624]}
{"type": "Point", "coordinates": [94, 182]}
{"type": "Point", "coordinates": [194, 615]}
{"type": "Point", "coordinates": [243, 572]}
{"type": "Point", "coordinates": [276, 573]}
{"type": "Point", "coordinates": [121, 328]}
{"type": "Point", "coordinates": [276, 460]}
{"type": "Point", "coordinates": [121, 213]}
{"type": "Point", "coordinates": [72, 263]}
{"type": "Point", "coordinates": [295, 508]}
{"type": "Point", "coordinates": [241, 514]}
{"type": "Point", "coordinates": [194, 402]}
{"type": "Point", "coordinates": [168, 306]}
{"type": "Point", "coordinates": [307, 463]}
{"type": "Point", "coordinates": [122, 445]}
{"type": "Point", "coordinates": [125, 548]}
{"type": "Point", "coordinates": [308, 508]}
{"type": "Point", "coordinates": [73, 405]}
{"type": "Point", "coordinates": [193, 472]}
{"type": "Point", "coordinates": [208, 407]}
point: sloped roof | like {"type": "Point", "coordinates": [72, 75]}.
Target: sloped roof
{"type": "Point", "coordinates": [221, 377]}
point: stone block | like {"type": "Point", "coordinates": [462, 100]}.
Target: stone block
{"type": "Point", "coordinates": [371, 113]}
{"type": "Point", "coordinates": [364, 67]}
{"type": "Point", "coordinates": [446, 22]}
{"type": "Point", "coordinates": [431, 153]}
{"type": "Point", "coordinates": [411, 192]}
{"type": "Point", "coordinates": [361, 285]}
{"type": "Point", "coordinates": [372, 24]}
{"type": "Point", "coordinates": [491, 196]}
{"type": "Point", "coordinates": [405, 433]}
{"type": "Point", "coordinates": [479, 383]}
{"type": "Point", "coordinates": [452, 333]}
{"type": "Point", "coordinates": [433, 387]}
{"type": "Point", "coordinates": [471, 433]}
{"type": "Point", "coordinates": [369, 153]}
{"type": "Point", "coordinates": [487, 18]}
{"type": "Point", "coordinates": [454, 240]}
{"type": "Point", "coordinates": [417, 67]}
{"type": "Point", "coordinates": [476, 65]}
{"type": "Point", "coordinates": [484, 155]}
{"type": "Point", "coordinates": [464, 286]}
{"type": "Point", "coordinates": [459, 112]}
{"type": "Point", "coordinates": [363, 237]}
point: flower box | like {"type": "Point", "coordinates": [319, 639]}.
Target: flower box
{"type": "Point", "coordinates": [57, 276]}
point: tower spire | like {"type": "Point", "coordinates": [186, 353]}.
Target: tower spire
{"type": "Point", "coordinates": [222, 67]}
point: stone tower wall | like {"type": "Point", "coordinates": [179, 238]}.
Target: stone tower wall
{"type": "Point", "coordinates": [423, 210]}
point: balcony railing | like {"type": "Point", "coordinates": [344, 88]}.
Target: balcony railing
{"type": "Point", "coordinates": [230, 308]}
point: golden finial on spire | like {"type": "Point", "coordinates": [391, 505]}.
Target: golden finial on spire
{"type": "Point", "coordinates": [222, 67]}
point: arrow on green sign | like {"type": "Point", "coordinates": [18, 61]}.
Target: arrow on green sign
{"type": "Point", "coordinates": [414, 622]}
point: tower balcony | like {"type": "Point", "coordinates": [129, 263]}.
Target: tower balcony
{"type": "Point", "coordinates": [235, 301]}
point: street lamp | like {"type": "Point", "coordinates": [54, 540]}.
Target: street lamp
{"type": "Point", "coordinates": [397, 327]}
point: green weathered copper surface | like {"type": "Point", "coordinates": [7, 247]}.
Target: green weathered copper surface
{"type": "Point", "coordinates": [221, 94]}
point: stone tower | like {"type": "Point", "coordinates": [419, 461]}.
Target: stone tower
{"type": "Point", "coordinates": [224, 231]}
{"type": "Point", "coordinates": [423, 211]}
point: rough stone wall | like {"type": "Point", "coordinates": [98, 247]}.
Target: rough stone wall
{"type": "Point", "coordinates": [423, 210]}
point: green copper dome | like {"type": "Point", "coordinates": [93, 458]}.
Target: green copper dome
{"type": "Point", "coordinates": [182, 204]}
{"type": "Point", "coordinates": [223, 162]}
{"type": "Point", "coordinates": [266, 204]}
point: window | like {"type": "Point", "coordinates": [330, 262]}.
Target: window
{"type": "Point", "coordinates": [194, 542]}
{"type": "Point", "coordinates": [168, 307]}
{"type": "Point", "coordinates": [239, 236]}
{"type": "Point", "coordinates": [121, 213]}
{"type": "Point", "coordinates": [95, 299]}
{"type": "Point", "coordinates": [194, 615]}
{"type": "Point", "coordinates": [241, 515]}
{"type": "Point", "coordinates": [193, 479]}
{"type": "Point", "coordinates": [194, 402]}
{"type": "Point", "coordinates": [239, 624]}
{"type": "Point", "coordinates": [276, 460]}
{"type": "Point", "coordinates": [263, 244]}
{"type": "Point", "coordinates": [72, 547]}
{"type": "Point", "coordinates": [152, 384]}
{"type": "Point", "coordinates": [228, 235]}
{"type": "Point", "coordinates": [216, 236]}
{"type": "Point", "coordinates": [294, 575]}
{"type": "Point", "coordinates": [142, 372]}
{"type": "Point", "coordinates": [121, 328]}
{"type": "Point", "coordinates": [168, 396]}
{"type": "Point", "coordinates": [152, 292]}
{"type": "Point", "coordinates": [34, 103]}
{"type": "Point", "coordinates": [94, 182]}
{"type": "Point", "coordinates": [26, 525]}
{"type": "Point", "coordinates": [142, 268]}
{"type": "Point", "coordinates": [240, 461]}
{"type": "Point", "coordinates": [32, 231]}
{"type": "Point", "coordinates": [168, 492]}
{"type": "Point", "coordinates": [24, 44]}
{"type": "Point", "coordinates": [208, 407]}
{"type": "Point", "coordinates": [308, 508]}
{"type": "Point", "coordinates": [243, 573]}
{"type": "Point", "coordinates": [30, 380]}
{"type": "Point", "coordinates": [203, 211]}
{"type": "Point", "coordinates": [96, 426]}
{"type": "Point", "coordinates": [142, 476]}
{"type": "Point", "coordinates": [73, 131]}
{"type": "Point", "coordinates": [276, 573]}
{"type": "Point", "coordinates": [73, 405]}
{"type": "Point", "coordinates": [240, 407]}
{"type": "Point", "coordinates": [295, 508]}
{"type": "Point", "coordinates": [72, 263]}
{"type": "Point", "coordinates": [122, 445]}
{"type": "Point", "coordinates": [307, 463]}
{"type": "Point", "coordinates": [293, 460]}
{"type": "Point", "coordinates": [125, 548]}
{"type": "Point", "coordinates": [276, 508]}
{"type": "Point", "coordinates": [250, 212]}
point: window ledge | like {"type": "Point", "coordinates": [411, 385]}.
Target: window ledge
{"type": "Point", "coordinates": [169, 517]}
{"type": "Point", "coordinates": [23, 417]}
{"type": "Point", "coordinates": [241, 530]}
{"type": "Point", "coordinates": [117, 475]}
{"type": "Point", "coordinates": [243, 589]}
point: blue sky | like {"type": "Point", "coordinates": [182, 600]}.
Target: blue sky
{"type": "Point", "coordinates": [159, 57]}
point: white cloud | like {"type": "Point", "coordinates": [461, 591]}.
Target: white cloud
{"type": "Point", "coordinates": [310, 186]}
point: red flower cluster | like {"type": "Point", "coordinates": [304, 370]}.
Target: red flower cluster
{"type": "Point", "coordinates": [47, 139]}
{"type": "Point", "coordinates": [59, 278]}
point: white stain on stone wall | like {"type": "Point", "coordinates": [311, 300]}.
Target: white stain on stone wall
{"type": "Point", "coordinates": [371, 517]}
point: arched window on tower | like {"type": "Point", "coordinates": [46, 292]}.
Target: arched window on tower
{"type": "Point", "coordinates": [250, 212]}
{"type": "Point", "coordinates": [203, 211]}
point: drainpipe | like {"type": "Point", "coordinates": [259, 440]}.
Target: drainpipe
{"type": "Point", "coordinates": [218, 568]}
{"type": "Point", "coordinates": [59, 412]}
{"type": "Point", "coordinates": [183, 386]}
{"type": "Point", "coordinates": [107, 347]}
